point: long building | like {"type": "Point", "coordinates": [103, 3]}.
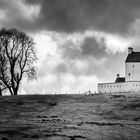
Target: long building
{"type": "Point", "coordinates": [131, 81]}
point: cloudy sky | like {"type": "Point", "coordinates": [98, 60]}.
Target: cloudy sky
{"type": "Point", "coordinates": [79, 42]}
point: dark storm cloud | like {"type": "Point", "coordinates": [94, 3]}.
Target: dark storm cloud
{"type": "Point", "coordinates": [74, 15]}
{"type": "Point", "coordinates": [17, 15]}
{"type": "Point", "coordinates": [88, 54]}
{"type": "Point", "coordinates": [89, 48]}
{"type": "Point", "coordinates": [79, 15]}
{"type": "Point", "coordinates": [70, 51]}
{"type": "Point", "coordinates": [93, 57]}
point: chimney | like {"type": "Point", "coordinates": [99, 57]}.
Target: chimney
{"type": "Point", "coordinates": [130, 50]}
{"type": "Point", "coordinates": [118, 75]}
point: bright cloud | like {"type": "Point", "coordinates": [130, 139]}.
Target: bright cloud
{"type": "Point", "coordinates": [51, 84]}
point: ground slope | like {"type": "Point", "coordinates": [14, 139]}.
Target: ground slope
{"type": "Point", "coordinates": [69, 117]}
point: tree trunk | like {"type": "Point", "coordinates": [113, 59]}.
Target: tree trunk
{"type": "Point", "coordinates": [10, 90]}
{"type": "Point", "coordinates": [15, 91]}
{"type": "Point", "coordinates": [16, 88]}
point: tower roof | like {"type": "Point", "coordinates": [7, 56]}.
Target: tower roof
{"type": "Point", "coordinates": [133, 57]}
{"type": "Point", "coordinates": [120, 79]}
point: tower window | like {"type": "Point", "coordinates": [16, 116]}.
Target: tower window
{"type": "Point", "coordinates": [129, 74]}
{"type": "Point", "coordinates": [133, 66]}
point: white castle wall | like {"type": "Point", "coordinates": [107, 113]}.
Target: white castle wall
{"type": "Point", "coordinates": [132, 79]}
{"type": "Point", "coordinates": [119, 87]}
{"type": "Point", "coordinates": [132, 71]}
{"type": "Point", "coordinates": [110, 87]}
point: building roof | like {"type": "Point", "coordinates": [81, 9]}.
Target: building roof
{"type": "Point", "coordinates": [133, 57]}
{"type": "Point", "coordinates": [120, 80]}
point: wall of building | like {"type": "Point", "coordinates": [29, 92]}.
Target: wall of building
{"type": "Point", "coordinates": [131, 86]}
{"type": "Point", "coordinates": [132, 71]}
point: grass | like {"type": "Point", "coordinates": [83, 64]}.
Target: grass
{"type": "Point", "coordinates": [70, 117]}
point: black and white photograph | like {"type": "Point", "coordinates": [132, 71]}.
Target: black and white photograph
{"type": "Point", "coordinates": [69, 69]}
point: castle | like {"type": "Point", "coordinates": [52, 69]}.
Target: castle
{"type": "Point", "coordinates": [131, 81]}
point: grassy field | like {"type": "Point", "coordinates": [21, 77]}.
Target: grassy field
{"type": "Point", "coordinates": [69, 117]}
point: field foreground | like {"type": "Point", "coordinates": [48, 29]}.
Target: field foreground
{"type": "Point", "coordinates": [69, 117]}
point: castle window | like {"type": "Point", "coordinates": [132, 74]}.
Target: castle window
{"type": "Point", "coordinates": [133, 66]}
{"type": "Point", "coordinates": [129, 74]}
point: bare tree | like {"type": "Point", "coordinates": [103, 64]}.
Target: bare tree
{"type": "Point", "coordinates": [17, 57]}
